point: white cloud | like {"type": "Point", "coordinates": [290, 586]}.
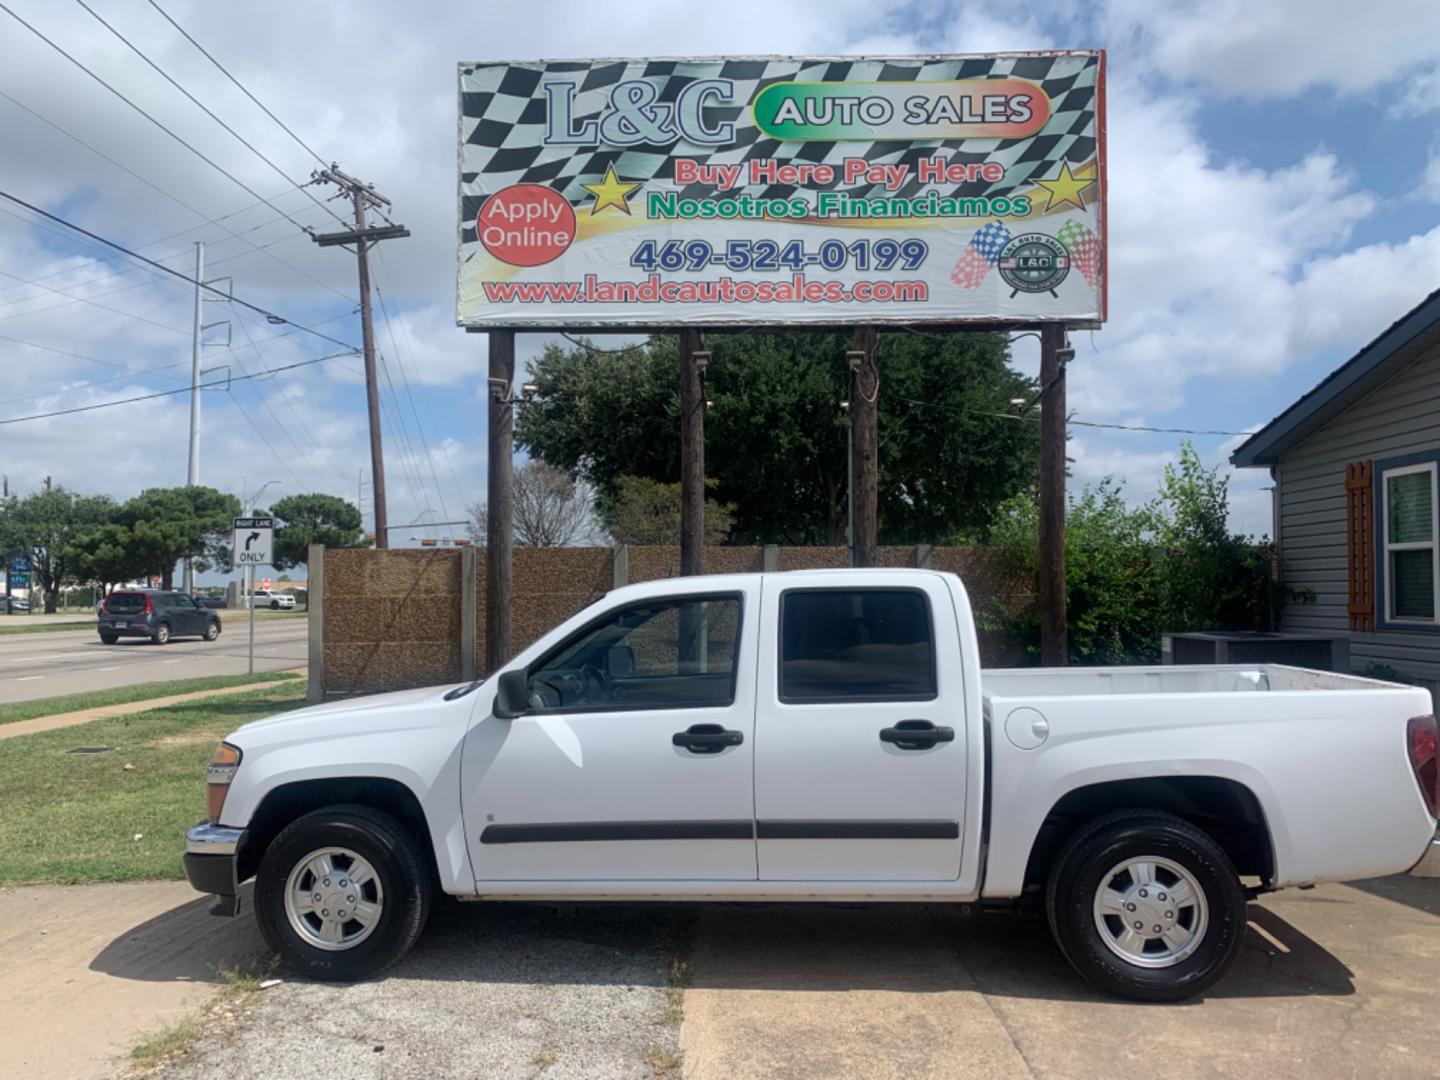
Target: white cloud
{"type": "Point", "coordinates": [1273, 48]}
{"type": "Point", "coordinates": [1222, 273]}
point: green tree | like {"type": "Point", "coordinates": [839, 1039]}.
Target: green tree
{"type": "Point", "coordinates": [643, 511]}
{"type": "Point", "coordinates": [167, 524]}
{"type": "Point", "coordinates": [775, 432]}
{"type": "Point", "coordinates": [316, 518]}
{"type": "Point", "coordinates": [44, 526]}
{"type": "Point", "coordinates": [106, 555]}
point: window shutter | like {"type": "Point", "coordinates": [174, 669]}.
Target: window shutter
{"type": "Point", "coordinates": [1360, 542]}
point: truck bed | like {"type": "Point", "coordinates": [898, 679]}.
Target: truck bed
{"type": "Point", "coordinates": [1170, 679]}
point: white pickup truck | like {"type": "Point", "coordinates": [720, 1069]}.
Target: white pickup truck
{"type": "Point", "coordinates": [821, 735]}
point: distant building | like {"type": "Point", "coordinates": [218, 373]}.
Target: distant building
{"type": "Point", "coordinates": [1356, 501]}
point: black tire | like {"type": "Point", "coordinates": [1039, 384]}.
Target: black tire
{"type": "Point", "coordinates": [109, 639]}
{"type": "Point", "coordinates": [161, 636]}
{"type": "Point", "coordinates": [212, 630]}
{"type": "Point", "coordinates": [1081, 870]}
{"type": "Point", "coordinates": [274, 605]}
{"type": "Point", "coordinates": [399, 864]}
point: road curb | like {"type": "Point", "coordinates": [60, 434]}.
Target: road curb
{"type": "Point", "coordinates": [104, 712]}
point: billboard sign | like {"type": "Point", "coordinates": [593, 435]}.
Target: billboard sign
{"type": "Point", "coordinates": [782, 190]}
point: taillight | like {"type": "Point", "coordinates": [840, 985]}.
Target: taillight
{"type": "Point", "coordinates": [149, 605]}
{"type": "Point", "coordinates": [1421, 741]}
{"type": "Point", "coordinates": [105, 606]}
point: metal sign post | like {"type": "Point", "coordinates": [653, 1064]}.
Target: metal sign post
{"type": "Point", "coordinates": [253, 545]}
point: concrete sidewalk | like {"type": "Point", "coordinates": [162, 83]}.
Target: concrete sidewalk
{"type": "Point", "coordinates": [87, 971]}
{"type": "Point", "coordinates": [1335, 982]}
{"type": "Point", "coordinates": [84, 716]}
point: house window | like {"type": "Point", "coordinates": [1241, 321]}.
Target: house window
{"type": "Point", "coordinates": [1412, 569]}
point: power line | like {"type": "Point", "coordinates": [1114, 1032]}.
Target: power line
{"type": "Point", "coordinates": [410, 348]}
{"type": "Point", "coordinates": [170, 393]}
{"type": "Point", "coordinates": [1072, 422]}
{"type": "Point", "coordinates": [245, 329]}
{"type": "Point", "coordinates": [405, 382]}
{"type": "Point", "coordinates": [237, 82]}
{"type": "Point", "coordinates": [208, 112]}
{"type": "Point", "coordinates": [112, 257]}
{"type": "Point", "coordinates": [598, 351]}
{"type": "Point", "coordinates": [73, 299]}
{"type": "Point", "coordinates": [179, 201]}
{"type": "Point", "coordinates": [270, 316]}
{"type": "Point", "coordinates": [208, 161]}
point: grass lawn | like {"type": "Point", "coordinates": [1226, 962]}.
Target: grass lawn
{"type": "Point", "coordinates": [120, 815]}
{"type": "Point", "coordinates": [27, 627]}
{"type": "Point", "coordinates": [120, 695]}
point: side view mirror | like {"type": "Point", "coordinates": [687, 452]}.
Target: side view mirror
{"type": "Point", "coordinates": [512, 695]}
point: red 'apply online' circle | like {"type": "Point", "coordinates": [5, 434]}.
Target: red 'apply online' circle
{"type": "Point", "coordinates": [526, 225]}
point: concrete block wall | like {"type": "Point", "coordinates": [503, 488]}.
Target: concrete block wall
{"type": "Point", "coordinates": [391, 620]}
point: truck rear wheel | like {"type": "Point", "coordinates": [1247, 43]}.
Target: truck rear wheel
{"type": "Point", "coordinates": [342, 893]}
{"type": "Point", "coordinates": [1146, 906]}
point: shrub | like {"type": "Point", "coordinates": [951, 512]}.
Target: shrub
{"type": "Point", "coordinates": [1134, 572]}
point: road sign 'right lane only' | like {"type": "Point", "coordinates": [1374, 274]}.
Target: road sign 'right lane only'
{"type": "Point", "coordinates": [254, 541]}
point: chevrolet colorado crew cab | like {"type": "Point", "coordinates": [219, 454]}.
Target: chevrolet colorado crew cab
{"type": "Point", "coordinates": [814, 736]}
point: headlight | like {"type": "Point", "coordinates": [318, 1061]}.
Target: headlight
{"type": "Point", "coordinates": [218, 775]}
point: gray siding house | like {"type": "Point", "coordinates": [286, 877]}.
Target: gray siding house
{"type": "Point", "coordinates": [1356, 501]}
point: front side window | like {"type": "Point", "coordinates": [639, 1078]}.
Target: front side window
{"type": "Point", "coordinates": [856, 645]}
{"type": "Point", "coordinates": [181, 600]}
{"type": "Point", "coordinates": [669, 653]}
{"type": "Point", "coordinates": [1411, 568]}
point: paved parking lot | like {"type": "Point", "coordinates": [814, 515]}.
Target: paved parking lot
{"type": "Point", "coordinates": [1335, 982]}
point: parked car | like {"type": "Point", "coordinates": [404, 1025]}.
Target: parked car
{"type": "Point", "coordinates": [277, 601]}
{"type": "Point", "coordinates": [17, 605]}
{"type": "Point", "coordinates": [813, 736]}
{"type": "Point", "coordinates": [157, 614]}
{"type": "Point", "coordinates": [212, 602]}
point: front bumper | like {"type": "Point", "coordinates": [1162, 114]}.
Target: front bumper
{"type": "Point", "coordinates": [212, 864]}
{"type": "Point", "coordinates": [1429, 864]}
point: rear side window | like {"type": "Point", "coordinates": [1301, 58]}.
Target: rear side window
{"type": "Point", "coordinates": [856, 645]}
{"type": "Point", "coordinates": [126, 603]}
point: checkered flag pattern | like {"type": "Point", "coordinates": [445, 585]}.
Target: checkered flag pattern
{"type": "Point", "coordinates": [1084, 248]}
{"type": "Point", "coordinates": [980, 255]}
{"type": "Point", "coordinates": [503, 114]}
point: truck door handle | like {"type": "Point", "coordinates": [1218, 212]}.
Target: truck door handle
{"type": "Point", "coordinates": [916, 735]}
{"type": "Point", "coordinates": [706, 738]}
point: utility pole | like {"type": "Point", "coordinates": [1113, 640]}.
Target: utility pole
{"type": "Point", "coordinates": [499, 499]}
{"type": "Point", "coordinates": [364, 237]}
{"type": "Point", "coordinates": [192, 473]}
{"type": "Point", "coordinates": [864, 460]}
{"type": "Point", "coordinates": [693, 361]}
{"type": "Point", "coordinates": [1055, 352]}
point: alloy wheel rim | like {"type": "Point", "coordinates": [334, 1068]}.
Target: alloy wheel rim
{"type": "Point", "coordinates": [1151, 912]}
{"type": "Point", "coordinates": [333, 899]}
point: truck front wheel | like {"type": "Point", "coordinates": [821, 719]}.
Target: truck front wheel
{"type": "Point", "coordinates": [1146, 906]}
{"type": "Point", "coordinates": [342, 893]}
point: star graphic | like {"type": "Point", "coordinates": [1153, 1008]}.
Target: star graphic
{"type": "Point", "coordinates": [611, 191]}
{"type": "Point", "coordinates": [1065, 188]}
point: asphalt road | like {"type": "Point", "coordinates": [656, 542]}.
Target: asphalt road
{"type": "Point", "coordinates": [43, 665]}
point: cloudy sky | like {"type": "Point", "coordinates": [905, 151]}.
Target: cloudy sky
{"type": "Point", "coordinates": [1274, 187]}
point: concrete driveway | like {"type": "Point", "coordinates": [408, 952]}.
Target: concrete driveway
{"type": "Point", "coordinates": [1335, 982]}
